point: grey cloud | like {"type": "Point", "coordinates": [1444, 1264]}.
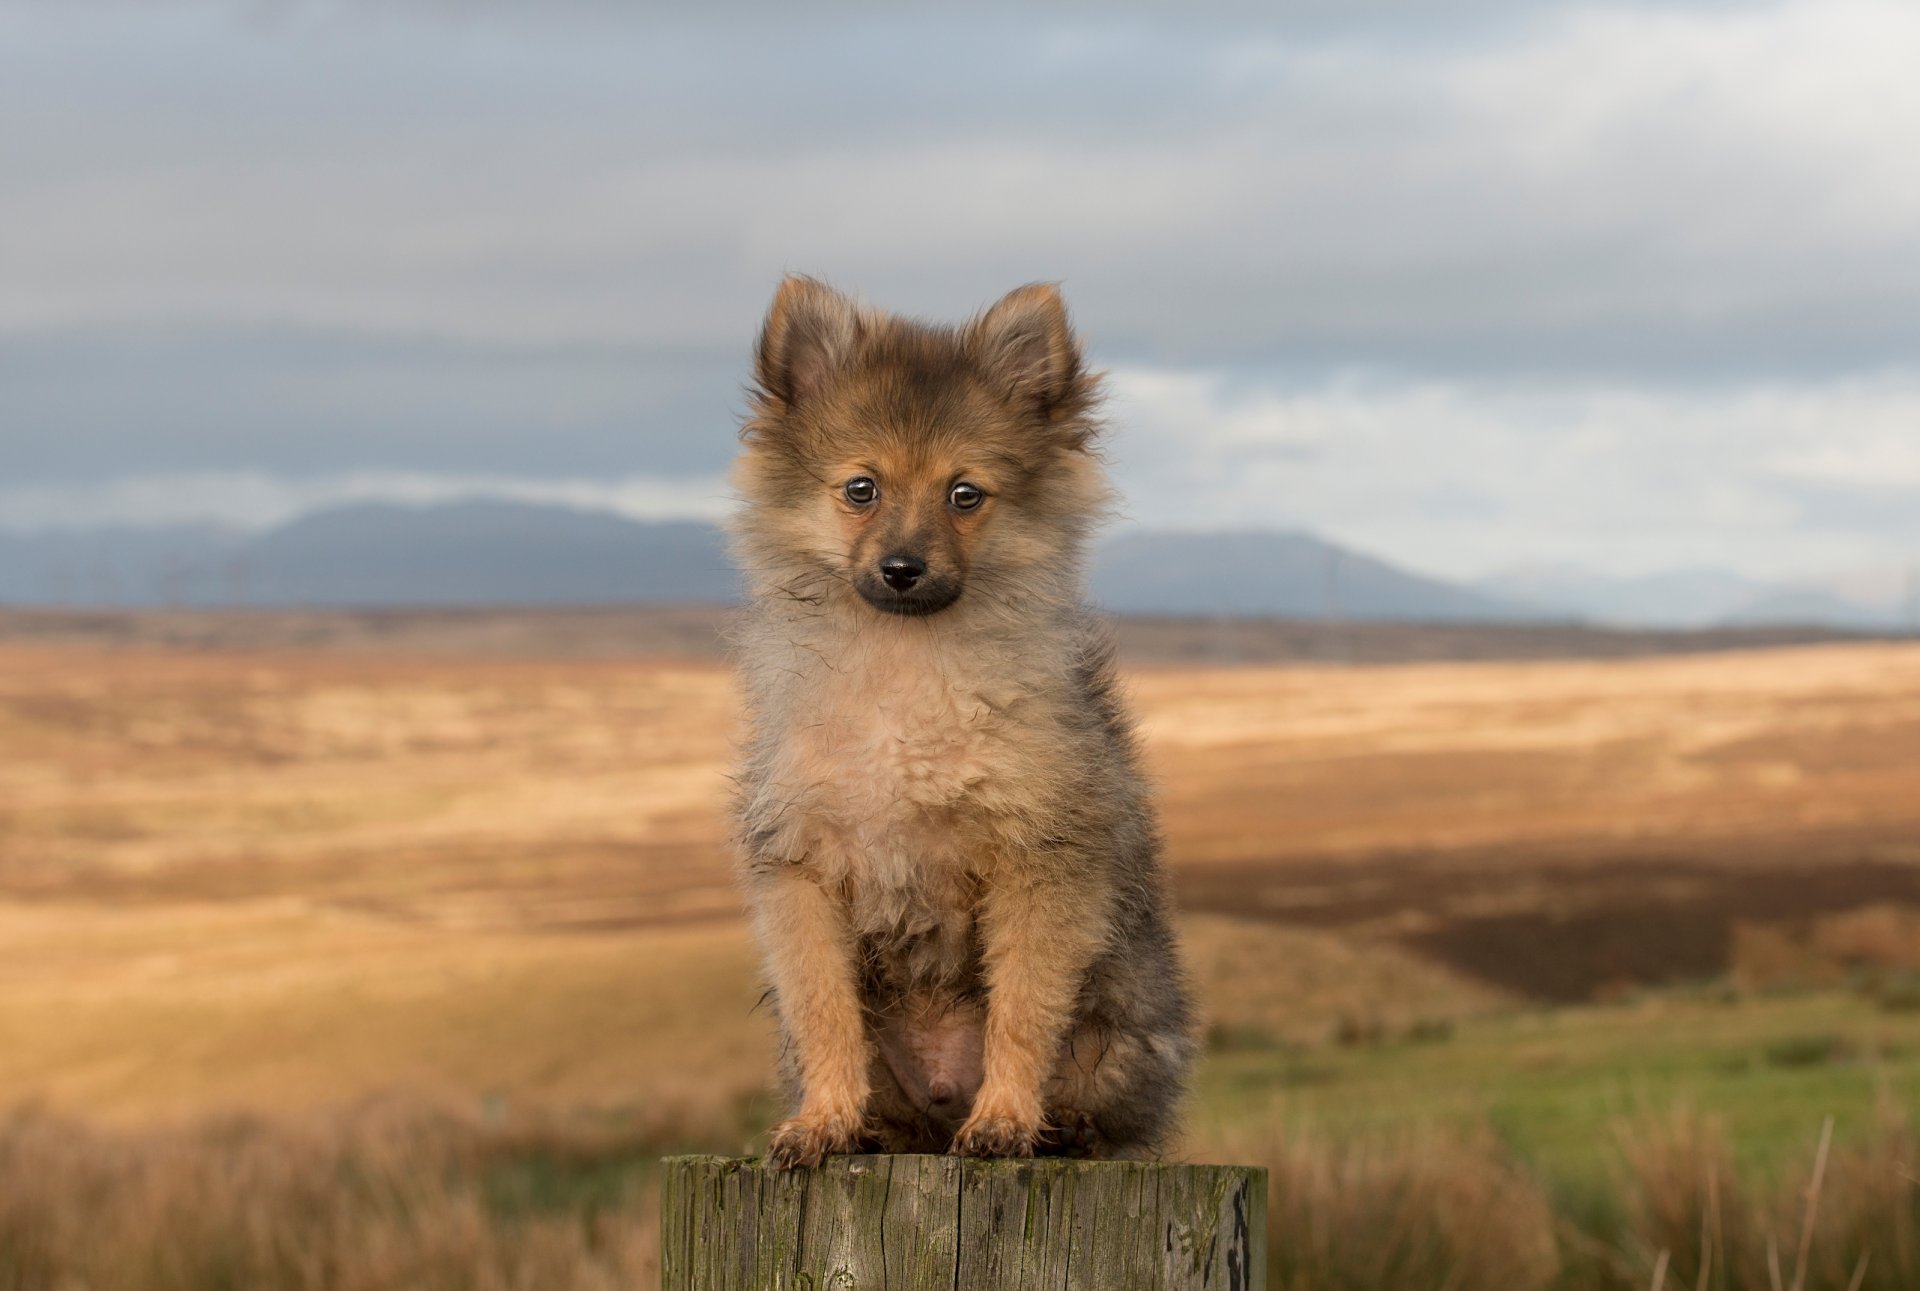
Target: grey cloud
{"type": "Point", "coordinates": [135, 402]}
{"type": "Point", "coordinates": [1631, 481]}
{"type": "Point", "coordinates": [514, 239]}
{"type": "Point", "coordinates": [1889, 512]}
{"type": "Point", "coordinates": [1375, 17]}
{"type": "Point", "coordinates": [1208, 199]}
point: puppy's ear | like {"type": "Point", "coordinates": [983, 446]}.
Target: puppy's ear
{"type": "Point", "coordinates": [809, 333]}
{"type": "Point", "coordinates": [1026, 342]}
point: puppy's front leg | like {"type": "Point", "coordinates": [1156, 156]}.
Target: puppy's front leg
{"type": "Point", "coordinates": [1039, 936]}
{"type": "Point", "coordinates": [809, 950]}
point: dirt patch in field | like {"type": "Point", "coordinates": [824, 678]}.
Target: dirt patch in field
{"type": "Point", "coordinates": [1571, 924]}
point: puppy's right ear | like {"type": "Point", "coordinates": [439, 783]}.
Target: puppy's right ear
{"type": "Point", "coordinates": [808, 335]}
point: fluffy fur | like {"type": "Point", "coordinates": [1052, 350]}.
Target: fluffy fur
{"type": "Point", "coordinates": [948, 851]}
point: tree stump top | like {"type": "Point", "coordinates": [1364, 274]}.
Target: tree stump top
{"type": "Point", "coordinates": [936, 1223]}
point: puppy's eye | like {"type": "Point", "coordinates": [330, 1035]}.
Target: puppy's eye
{"type": "Point", "coordinates": [861, 490]}
{"type": "Point", "coordinates": [965, 497]}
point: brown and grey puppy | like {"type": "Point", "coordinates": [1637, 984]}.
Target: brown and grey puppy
{"type": "Point", "coordinates": [948, 850]}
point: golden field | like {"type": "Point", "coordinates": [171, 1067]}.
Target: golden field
{"type": "Point", "coordinates": [257, 880]}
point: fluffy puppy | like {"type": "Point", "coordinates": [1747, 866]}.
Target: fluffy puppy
{"type": "Point", "coordinates": [950, 857]}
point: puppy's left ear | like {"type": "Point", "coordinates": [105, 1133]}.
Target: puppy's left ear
{"type": "Point", "coordinates": [1026, 342]}
{"type": "Point", "coordinates": [809, 333]}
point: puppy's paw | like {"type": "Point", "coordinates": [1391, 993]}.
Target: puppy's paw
{"type": "Point", "coordinates": [995, 1136]}
{"type": "Point", "coordinates": [1072, 1133]}
{"type": "Point", "coordinates": [810, 1137]}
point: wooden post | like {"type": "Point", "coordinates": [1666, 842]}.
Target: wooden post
{"type": "Point", "coordinates": [934, 1223]}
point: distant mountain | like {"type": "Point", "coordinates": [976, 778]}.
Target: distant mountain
{"type": "Point", "coordinates": [511, 553]}
{"type": "Point", "coordinates": [1702, 598]}
{"type": "Point", "coordinates": [1687, 598]}
{"type": "Point", "coordinates": [487, 553]}
{"type": "Point", "coordinates": [1288, 575]}
{"type": "Point", "coordinates": [462, 553]}
{"type": "Point", "coordinates": [123, 566]}
{"type": "Point", "coordinates": [1801, 607]}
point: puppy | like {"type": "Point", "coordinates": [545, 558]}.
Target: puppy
{"type": "Point", "coordinates": [949, 854]}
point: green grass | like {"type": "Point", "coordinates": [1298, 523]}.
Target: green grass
{"type": "Point", "coordinates": [1556, 1084]}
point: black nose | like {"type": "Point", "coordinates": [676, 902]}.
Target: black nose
{"type": "Point", "coordinates": [902, 572]}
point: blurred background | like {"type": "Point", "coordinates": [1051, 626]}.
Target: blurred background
{"type": "Point", "coordinates": [1542, 787]}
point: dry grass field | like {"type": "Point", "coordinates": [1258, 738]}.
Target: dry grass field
{"type": "Point", "coordinates": [1518, 906]}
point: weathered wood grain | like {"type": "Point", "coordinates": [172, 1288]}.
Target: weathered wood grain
{"type": "Point", "coordinates": [935, 1223]}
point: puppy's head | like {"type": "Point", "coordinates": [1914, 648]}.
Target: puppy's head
{"type": "Point", "coordinates": [917, 467]}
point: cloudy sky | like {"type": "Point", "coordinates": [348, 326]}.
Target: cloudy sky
{"type": "Point", "coordinates": [1633, 287]}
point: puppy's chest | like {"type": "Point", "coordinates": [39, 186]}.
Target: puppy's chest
{"type": "Point", "coordinates": [898, 777]}
{"type": "Point", "coordinates": [882, 755]}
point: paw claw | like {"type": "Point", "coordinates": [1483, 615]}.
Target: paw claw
{"type": "Point", "coordinates": [995, 1136]}
{"type": "Point", "coordinates": [804, 1141]}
